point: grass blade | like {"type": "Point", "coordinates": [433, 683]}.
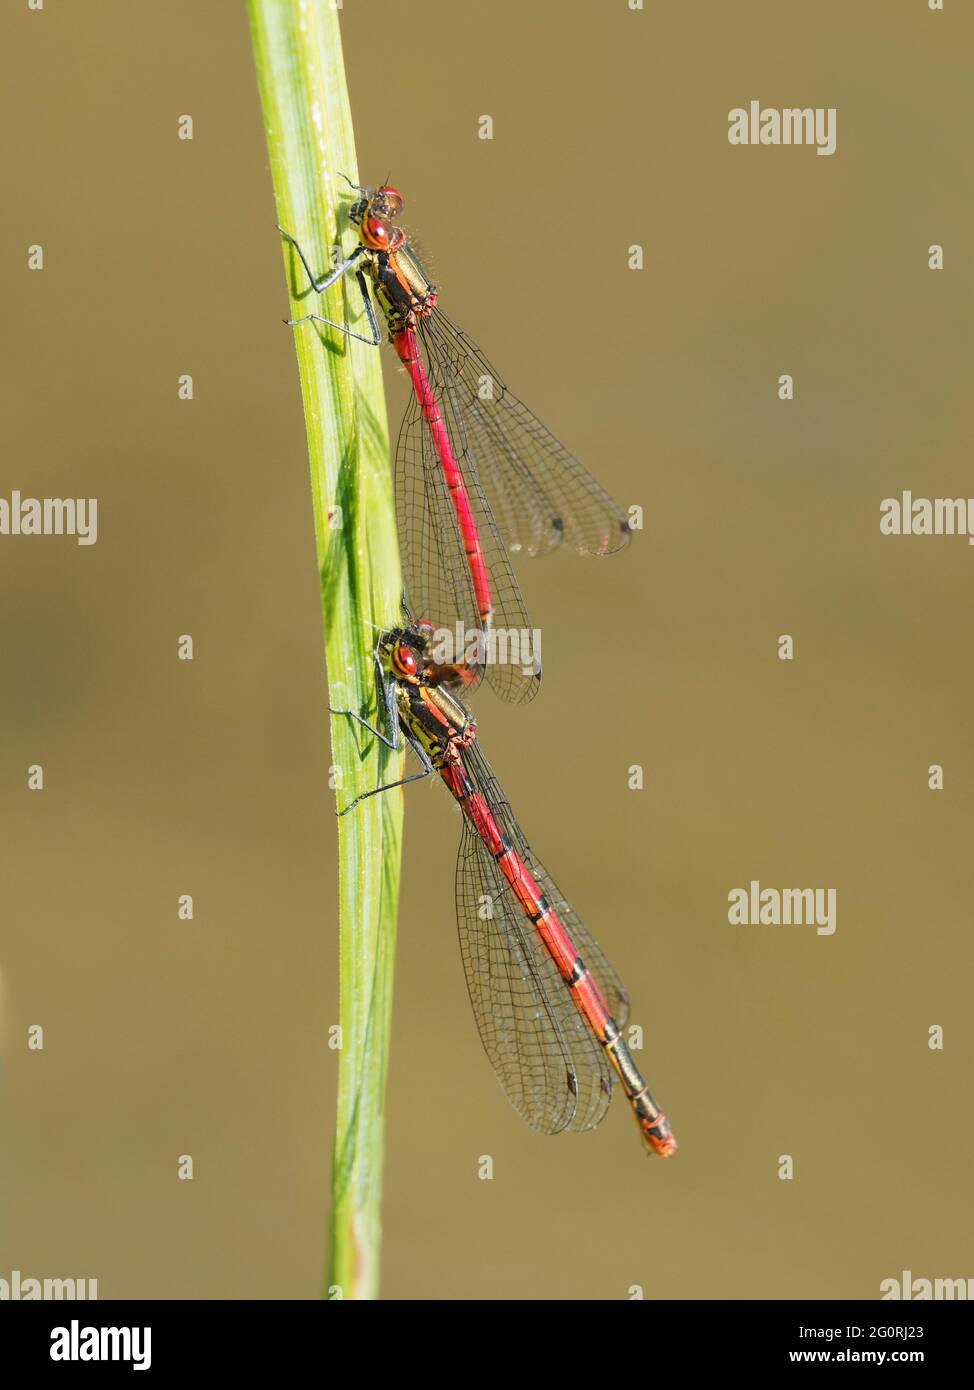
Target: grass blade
{"type": "Point", "coordinates": [301, 75]}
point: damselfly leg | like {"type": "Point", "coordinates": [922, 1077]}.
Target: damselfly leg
{"type": "Point", "coordinates": [325, 282]}
{"type": "Point", "coordinates": [387, 700]}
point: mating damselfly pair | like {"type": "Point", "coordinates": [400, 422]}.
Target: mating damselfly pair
{"type": "Point", "coordinates": [479, 477]}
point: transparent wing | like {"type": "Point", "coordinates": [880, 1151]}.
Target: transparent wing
{"type": "Point", "coordinates": [612, 989]}
{"type": "Point", "coordinates": [540, 494]}
{"type": "Point", "coordinates": [437, 578]}
{"type": "Point", "coordinates": [549, 1063]}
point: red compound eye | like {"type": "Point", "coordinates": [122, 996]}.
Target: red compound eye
{"type": "Point", "coordinates": [404, 660]}
{"type": "Point", "coordinates": [375, 233]}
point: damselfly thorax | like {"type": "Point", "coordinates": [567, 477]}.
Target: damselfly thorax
{"type": "Point", "coordinates": [403, 289]}
{"type": "Point", "coordinates": [434, 719]}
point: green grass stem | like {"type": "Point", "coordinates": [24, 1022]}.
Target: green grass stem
{"type": "Point", "coordinates": [301, 75]}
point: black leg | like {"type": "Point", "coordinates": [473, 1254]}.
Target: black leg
{"type": "Point", "coordinates": [392, 743]}
{"type": "Point", "coordinates": [417, 748]}
{"type": "Point", "coordinates": [388, 786]}
{"type": "Point", "coordinates": [387, 700]}
{"type": "Point", "coordinates": [386, 690]}
{"type": "Point", "coordinates": [370, 312]}
{"type": "Point", "coordinates": [375, 336]}
{"type": "Point", "coordinates": [326, 281]}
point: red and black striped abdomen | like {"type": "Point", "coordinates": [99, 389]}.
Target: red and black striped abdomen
{"type": "Point", "coordinates": [559, 946]}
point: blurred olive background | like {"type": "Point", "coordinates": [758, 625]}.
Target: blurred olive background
{"type": "Point", "coordinates": [163, 777]}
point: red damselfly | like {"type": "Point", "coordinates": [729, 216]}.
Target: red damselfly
{"type": "Point", "coordinates": [477, 474]}
{"type": "Point", "coordinates": [549, 1006]}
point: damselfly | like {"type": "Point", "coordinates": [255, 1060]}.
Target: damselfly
{"type": "Point", "coordinates": [477, 474]}
{"type": "Point", "coordinates": [549, 1006]}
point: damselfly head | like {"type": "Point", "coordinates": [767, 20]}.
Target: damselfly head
{"type": "Point", "coordinates": [404, 660]}
{"type": "Point", "coordinates": [407, 649]}
{"type": "Point", "coordinates": [375, 214]}
{"type": "Point", "coordinates": [387, 201]}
